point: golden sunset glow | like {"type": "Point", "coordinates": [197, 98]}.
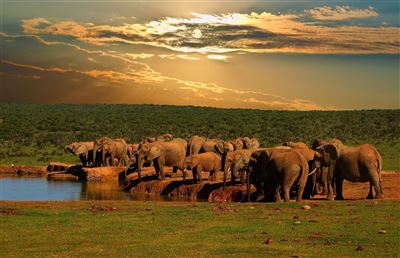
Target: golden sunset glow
{"type": "Point", "coordinates": [264, 56]}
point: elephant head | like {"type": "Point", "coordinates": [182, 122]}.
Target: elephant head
{"type": "Point", "coordinates": [237, 144]}
{"type": "Point", "coordinates": [165, 137]}
{"type": "Point", "coordinates": [241, 164]}
{"type": "Point", "coordinates": [247, 144]}
{"type": "Point", "coordinates": [69, 148]}
{"type": "Point", "coordinates": [255, 144]}
{"type": "Point", "coordinates": [81, 149]}
{"type": "Point", "coordinates": [327, 154]}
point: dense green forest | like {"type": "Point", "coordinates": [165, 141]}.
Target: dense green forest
{"type": "Point", "coordinates": [36, 134]}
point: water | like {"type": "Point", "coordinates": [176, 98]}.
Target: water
{"type": "Point", "coordinates": [17, 188]}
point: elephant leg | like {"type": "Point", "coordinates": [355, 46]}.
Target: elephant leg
{"type": "Point", "coordinates": [277, 194]}
{"type": "Point", "coordinates": [162, 175]}
{"type": "Point", "coordinates": [242, 177]}
{"type": "Point", "coordinates": [324, 180]}
{"type": "Point", "coordinates": [339, 187]}
{"type": "Point", "coordinates": [157, 169]}
{"type": "Point", "coordinates": [371, 193]}
{"type": "Point", "coordinates": [214, 177]}
{"type": "Point", "coordinates": [330, 183]}
{"type": "Point", "coordinates": [199, 173]}
{"type": "Point", "coordinates": [377, 186]}
{"type": "Point", "coordinates": [232, 177]}
{"type": "Point", "coordinates": [194, 172]}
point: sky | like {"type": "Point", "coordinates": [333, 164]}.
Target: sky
{"type": "Point", "coordinates": [285, 55]}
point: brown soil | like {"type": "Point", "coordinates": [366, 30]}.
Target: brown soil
{"type": "Point", "coordinates": [23, 170]}
{"type": "Point", "coordinates": [390, 184]}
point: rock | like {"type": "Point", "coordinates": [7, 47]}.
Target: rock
{"type": "Point", "coordinates": [296, 217]}
{"type": "Point", "coordinates": [297, 222]}
{"type": "Point", "coordinates": [360, 248]}
{"type": "Point", "coordinates": [382, 231]}
{"type": "Point", "coordinates": [306, 207]}
{"type": "Point", "coordinates": [268, 241]}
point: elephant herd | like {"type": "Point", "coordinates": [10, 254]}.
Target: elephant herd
{"type": "Point", "coordinates": [275, 172]}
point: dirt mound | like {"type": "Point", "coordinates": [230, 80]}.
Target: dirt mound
{"type": "Point", "coordinates": [230, 194]}
{"type": "Point", "coordinates": [195, 191]}
{"type": "Point", "coordinates": [24, 170]}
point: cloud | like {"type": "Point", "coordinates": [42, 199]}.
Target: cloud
{"type": "Point", "coordinates": [238, 32]}
{"type": "Point", "coordinates": [328, 13]}
{"type": "Point", "coordinates": [121, 74]}
{"type": "Point", "coordinates": [218, 57]}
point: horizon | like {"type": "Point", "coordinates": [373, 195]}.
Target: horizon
{"type": "Point", "coordinates": [258, 55]}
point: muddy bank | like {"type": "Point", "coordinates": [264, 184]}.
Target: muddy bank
{"type": "Point", "coordinates": [24, 170]}
{"type": "Point", "coordinates": [212, 191]}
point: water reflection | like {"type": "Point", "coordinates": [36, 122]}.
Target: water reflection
{"type": "Point", "coordinates": [40, 189]}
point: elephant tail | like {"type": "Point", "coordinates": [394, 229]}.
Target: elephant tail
{"type": "Point", "coordinates": [379, 168]}
{"type": "Point", "coordinates": [303, 173]}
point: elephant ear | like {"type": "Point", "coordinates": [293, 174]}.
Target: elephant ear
{"type": "Point", "coordinates": [81, 149]}
{"type": "Point", "coordinates": [219, 147]}
{"type": "Point", "coordinates": [144, 147]}
{"type": "Point", "coordinates": [155, 152]}
{"type": "Point", "coordinates": [332, 150]}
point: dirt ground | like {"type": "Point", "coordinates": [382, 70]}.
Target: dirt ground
{"type": "Point", "coordinates": [390, 183]}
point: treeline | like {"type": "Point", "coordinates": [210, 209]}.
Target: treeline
{"type": "Point", "coordinates": [33, 128]}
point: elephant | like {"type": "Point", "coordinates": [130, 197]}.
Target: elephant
{"type": "Point", "coordinates": [182, 141]}
{"type": "Point", "coordinates": [230, 165]}
{"type": "Point", "coordinates": [245, 143]}
{"type": "Point", "coordinates": [272, 169]}
{"type": "Point", "coordinates": [111, 149]}
{"type": "Point", "coordinates": [165, 137]}
{"type": "Point", "coordinates": [296, 145]}
{"type": "Point", "coordinates": [322, 171]}
{"type": "Point", "coordinates": [207, 161]}
{"type": "Point", "coordinates": [162, 154]}
{"type": "Point", "coordinates": [148, 139]}
{"type": "Point", "coordinates": [83, 149]}
{"type": "Point", "coordinates": [361, 163]}
{"type": "Point", "coordinates": [195, 144]}
{"type": "Point", "coordinates": [132, 150]}
{"type": "Point", "coordinates": [313, 165]}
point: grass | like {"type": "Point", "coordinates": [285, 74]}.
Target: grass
{"type": "Point", "coordinates": [180, 229]}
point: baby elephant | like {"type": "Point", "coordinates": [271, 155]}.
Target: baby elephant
{"type": "Point", "coordinates": [207, 161]}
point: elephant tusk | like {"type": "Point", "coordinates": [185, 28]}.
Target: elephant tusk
{"type": "Point", "coordinates": [229, 169]}
{"type": "Point", "coordinates": [312, 172]}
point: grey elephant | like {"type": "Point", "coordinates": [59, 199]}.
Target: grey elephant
{"type": "Point", "coordinates": [232, 165]}
{"type": "Point", "coordinates": [207, 161]}
{"type": "Point", "coordinates": [111, 150]}
{"type": "Point", "coordinates": [322, 171]}
{"type": "Point", "coordinates": [313, 165]}
{"type": "Point", "coordinates": [195, 144]}
{"type": "Point", "coordinates": [164, 138]}
{"type": "Point", "coordinates": [171, 154]}
{"type": "Point", "coordinates": [132, 151]}
{"type": "Point", "coordinates": [361, 163]}
{"type": "Point", "coordinates": [245, 143]}
{"type": "Point", "coordinates": [83, 149]}
{"type": "Point", "coordinates": [274, 170]}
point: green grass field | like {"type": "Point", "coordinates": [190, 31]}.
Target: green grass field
{"type": "Point", "coordinates": [181, 229]}
{"type": "Point", "coordinates": [32, 134]}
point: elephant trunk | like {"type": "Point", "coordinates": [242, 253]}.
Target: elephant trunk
{"type": "Point", "coordinates": [103, 158]}
{"type": "Point", "coordinates": [248, 185]}
{"type": "Point", "coordinates": [140, 165]}
{"type": "Point", "coordinates": [227, 168]}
